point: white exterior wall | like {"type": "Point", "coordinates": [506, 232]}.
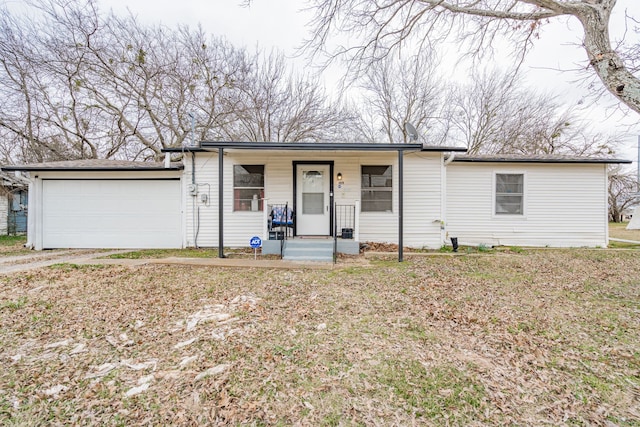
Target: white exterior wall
{"type": "Point", "coordinates": [380, 226]}
{"type": "Point", "coordinates": [201, 217]}
{"type": "Point", "coordinates": [422, 202]}
{"type": "Point", "coordinates": [422, 180]}
{"type": "Point", "coordinates": [423, 210]}
{"type": "Point", "coordinates": [565, 205]}
{"type": "Point", "coordinates": [4, 214]}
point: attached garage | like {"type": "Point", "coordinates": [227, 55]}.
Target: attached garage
{"type": "Point", "coordinates": [110, 213]}
{"type": "Point", "coordinates": [105, 204]}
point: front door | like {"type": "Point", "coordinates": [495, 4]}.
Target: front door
{"type": "Point", "coordinates": [313, 199]}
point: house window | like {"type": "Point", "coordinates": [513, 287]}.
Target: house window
{"type": "Point", "coordinates": [509, 194]}
{"type": "Point", "coordinates": [248, 187]}
{"type": "Point", "coordinates": [377, 188]}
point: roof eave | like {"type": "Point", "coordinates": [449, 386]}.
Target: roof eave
{"type": "Point", "coordinates": [88, 169]}
{"type": "Point", "coordinates": [311, 146]}
{"type": "Point", "coordinates": [539, 160]}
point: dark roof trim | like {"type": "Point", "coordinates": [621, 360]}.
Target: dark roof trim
{"type": "Point", "coordinates": [183, 150]}
{"type": "Point", "coordinates": [539, 160]}
{"type": "Point", "coordinates": [312, 146]}
{"type": "Point", "coordinates": [37, 168]}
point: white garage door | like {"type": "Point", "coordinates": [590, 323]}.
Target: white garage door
{"type": "Point", "coordinates": [111, 213]}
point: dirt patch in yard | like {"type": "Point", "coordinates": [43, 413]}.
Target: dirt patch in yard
{"type": "Point", "coordinates": [534, 338]}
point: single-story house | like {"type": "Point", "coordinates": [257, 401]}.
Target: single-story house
{"type": "Point", "coordinates": [13, 203]}
{"type": "Point", "coordinates": [224, 193]}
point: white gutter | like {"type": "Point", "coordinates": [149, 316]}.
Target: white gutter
{"type": "Point", "coordinates": [450, 158]}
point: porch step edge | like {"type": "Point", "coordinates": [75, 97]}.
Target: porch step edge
{"type": "Point", "coordinates": [308, 258]}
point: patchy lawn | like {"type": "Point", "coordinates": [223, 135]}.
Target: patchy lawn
{"type": "Point", "coordinates": [166, 253]}
{"type": "Point", "coordinates": [619, 231]}
{"type": "Point", "coordinates": [13, 245]}
{"type": "Point", "coordinates": [531, 338]}
{"type": "Point", "coordinates": [189, 253]}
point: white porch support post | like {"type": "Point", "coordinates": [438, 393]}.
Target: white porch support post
{"type": "Point", "coordinates": [220, 203]}
{"type": "Point", "coordinates": [356, 222]}
{"type": "Point", "coordinates": [400, 204]}
{"type": "Point", "coordinates": [265, 219]}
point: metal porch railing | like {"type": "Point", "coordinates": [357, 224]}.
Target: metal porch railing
{"type": "Point", "coordinates": [280, 223]}
{"type": "Point", "coordinates": [344, 225]}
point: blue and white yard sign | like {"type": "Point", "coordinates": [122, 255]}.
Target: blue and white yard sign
{"type": "Point", "coordinates": [255, 242]}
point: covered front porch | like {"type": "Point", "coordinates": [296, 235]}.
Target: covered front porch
{"type": "Point", "coordinates": [296, 193]}
{"type": "Point", "coordinates": [280, 236]}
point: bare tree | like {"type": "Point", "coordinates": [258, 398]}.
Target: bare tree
{"type": "Point", "coordinates": [80, 84]}
{"type": "Point", "coordinates": [280, 105]}
{"type": "Point", "coordinates": [23, 109]}
{"type": "Point", "coordinates": [399, 91]}
{"type": "Point", "coordinates": [623, 188]}
{"type": "Point", "coordinates": [498, 114]}
{"type": "Point", "coordinates": [151, 79]}
{"type": "Point", "coordinates": [383, 26]}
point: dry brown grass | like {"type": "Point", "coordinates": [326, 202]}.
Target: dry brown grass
{"type": "Point", "coordinates": [619, 231]}
{"type": "Point", "coordinates": [548, 337]}
{"type": "Point", "coordinates": [13, 246]}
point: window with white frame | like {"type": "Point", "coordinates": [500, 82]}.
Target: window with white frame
{"type": "Point", "coordinates": [509, 194]}
{"type": "Point", "coordinates": [377, 194]}
{"type": "Point", "coordinates": [248, 187]}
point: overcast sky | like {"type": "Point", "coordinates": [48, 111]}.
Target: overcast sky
{"type": "Point", "coordinates": [282, 24]}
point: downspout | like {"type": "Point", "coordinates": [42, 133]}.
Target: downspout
{"type": "Point", "coordinates": [195, 213]}
{"type": "Point", "coordinates": [220, 201]}
{"type": "Point", "coordinates": [450, 158]}
{"type": "Point", "coordinates": [193, 168]}
{"type": "Point", "coordinates": [400, 204]}
{"type": "Point", "coordinates": [606, 205]}
{"type": "Point", "coordinates": [194, 204]}
{"type": "Point", "coordinates": [31, 218]}
{"type": "Point", "coordinates": [443, 219]}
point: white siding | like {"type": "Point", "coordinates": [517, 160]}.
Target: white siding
{"type": "Point", "coordinates": [564, 205]}
{"type": "Point", "coordinates": [4, 213]}
{"type": "Point", "coordinates": [379, 226]}
{"type": "Point", "coordinates": [422, 200]}
{"type": "Point", "coordinates": [422, 195]}
{"type": "Point", "coordinates": [201, 217]}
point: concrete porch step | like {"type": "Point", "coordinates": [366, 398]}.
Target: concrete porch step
{"type": "Point", "coordinates": [308, 250]}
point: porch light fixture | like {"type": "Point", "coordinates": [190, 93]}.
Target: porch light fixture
{"type": "Point", "coordinates": [339, 176]}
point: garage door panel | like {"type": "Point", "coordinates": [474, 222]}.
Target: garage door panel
{"type": "Point", "coordinates": [111, 214]}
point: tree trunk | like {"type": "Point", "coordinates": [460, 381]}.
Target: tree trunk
{"type": "Point", "coordinates": [605, 61]}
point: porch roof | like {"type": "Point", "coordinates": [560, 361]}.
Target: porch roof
{"type": "Point", "coordinates": [313, 146]}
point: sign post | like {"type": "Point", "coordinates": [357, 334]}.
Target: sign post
{"type": "Point", "coordinates": [255, 242]}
